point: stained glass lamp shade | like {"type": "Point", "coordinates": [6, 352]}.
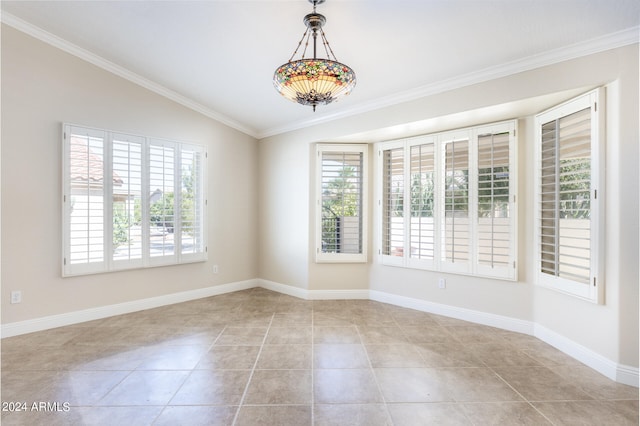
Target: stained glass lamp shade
{"type": "Point", "coordinates": [314, 81]}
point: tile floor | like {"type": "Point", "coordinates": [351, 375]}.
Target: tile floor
{"type": "Point", "coordinates": [261, 358]}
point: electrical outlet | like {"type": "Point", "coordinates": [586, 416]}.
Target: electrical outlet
{"type": "Point", "coordinates": [442, 283]}
{"type": "Point", "coordinates": [215, 269]}
{"type": "Point", "coordinates": [16, 297]}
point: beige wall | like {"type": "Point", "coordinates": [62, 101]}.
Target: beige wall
{"type": "Point", "coordinates": [43, 87]}
{"type": "Point", "coordinates": [610, 329]}
{"type": "Point", "coordinates": [283, 209]}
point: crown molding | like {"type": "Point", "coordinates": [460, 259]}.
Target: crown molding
{"type": "Point", "coordinates": [109, 66]}
{"type": "Point", "coordinates": [588, 47]}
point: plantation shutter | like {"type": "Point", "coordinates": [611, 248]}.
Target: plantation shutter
{"type": "Point", "coordinates": [191, 201]}
{"type": "Point", "coordinates": [162, 199]}
{"type": "Point", "coordinates": [565, 197]}
{"type": "Point", "coordinates": [455, 254]}
{"type": "Point", "coordinates": [84, 201]}
{"type": "Point", "coordinates": [494, 204]}
{"type": "Point", "coordinates": [393, 207]}
{"type": "Point", "coordinates": [447, 201]}
{"type": "Point", "coordinates": [422, 202]}
{"type": "Point", "coordinates": [569, 211]}
{"type": "Point", "coordinates": [130, 201]}
{"type": "Point", "coordinates": [341, 203]}
{"type": "Point", "coordinates": [126, 193]}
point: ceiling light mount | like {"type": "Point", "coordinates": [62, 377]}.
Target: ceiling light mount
{"type": "Point", "coordinates": [314, 21]}
{"type": "Point", "coordinates": [314, 81]}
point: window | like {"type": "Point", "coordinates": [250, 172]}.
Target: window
{"type": "Point", "coordinates": [447, 201]}
{"type": "Point", "coordinates": [130, 201]}
{"type": "Point", "coordinates": [341, 203]}
{"type": "Point", "coordinates": [569, 198]}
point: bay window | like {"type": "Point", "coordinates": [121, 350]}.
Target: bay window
{"type": "Point", "coordinates": [447, 201]}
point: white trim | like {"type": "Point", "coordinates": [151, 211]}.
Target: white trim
{"type": "Point", "coordinates": [477, 317]}
{"type": "Point", "coordinates": [60, 320]}
{"type": "Point", "coordinates": [627, 375]}
{"type": "Point", "coordinates": [339, 295]}
{"type": "Point", "coordinates": [584, 48]}
{"type": "Point", "coordinates": [314, 294]}
{"type": "Point", "coordinates": [614, 371]}
{"type": "Point", "coordinates": [113, 68]}
{"type": "Point", "coordinates": [289, 290]}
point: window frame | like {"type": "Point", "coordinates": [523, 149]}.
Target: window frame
{"type": "Point", "coordinates": [326, 257]}
{"type": "Point", "coordinates": [439, 141]}
{"type": "Point", "coordinates": [593, 291]}
{"type": "Point", "coordinates": [105, 190]}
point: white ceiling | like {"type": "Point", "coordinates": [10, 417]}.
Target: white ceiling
{"type": "Point", "coordinates": [218, 57]}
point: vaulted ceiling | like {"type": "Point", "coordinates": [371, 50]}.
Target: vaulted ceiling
{"type": "Point", "coordinates": [218, 57]}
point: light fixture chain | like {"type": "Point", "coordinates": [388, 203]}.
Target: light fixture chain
{"type": "Point", "coordinates": [327, 47]}
{"type": "Point", "coordinates": [299, 43]}
{"type": "Point", "coordinates": [306, 45]}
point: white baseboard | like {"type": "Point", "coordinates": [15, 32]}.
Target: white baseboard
{"type": "Point", "coordinates": [478, 317]}
{"type": "Point", "coordinates": [627, 375]}
{"type": "Point", "coordinates": [314, 294]}
{"type": "Point", "coordinates": [614, 371]}
{"type": "Point", "coordinates": [53, 321]}
{"type": "Point", "coordinates": [300, 293]}
{"type": "Point", "coordinates": [339, 295]}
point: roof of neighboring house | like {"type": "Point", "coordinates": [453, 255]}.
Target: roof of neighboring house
{"type": "Point", "coordinates": [87, 166]}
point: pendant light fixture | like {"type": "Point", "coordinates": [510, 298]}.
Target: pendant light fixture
{"type": "Point", "coordinates": [313, 81]}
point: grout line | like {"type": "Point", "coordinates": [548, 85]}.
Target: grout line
{"type": "Point", "coordinates": [253, 369]}
{"type": "Point", "coordinates": [375, 378]}
{"type": "Point", "coordinates": [188, 376]}
{"type": "Point", "coordinates": [521, 396]}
